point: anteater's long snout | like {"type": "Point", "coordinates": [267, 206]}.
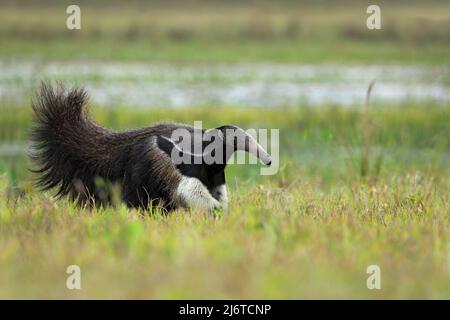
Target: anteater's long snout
{"type": "Point", "coordinates": [266, 159]}
{"type": "Point", "coordinates": [243, 141]}
{"type": "Point", "coordinates": [260, 152]}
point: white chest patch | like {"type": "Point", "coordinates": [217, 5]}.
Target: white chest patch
{"type": "Point", "coordinates": [193, 194]}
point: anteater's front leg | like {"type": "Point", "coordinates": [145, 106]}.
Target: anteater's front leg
{"type": "Point", "coordinates": [191, 193]}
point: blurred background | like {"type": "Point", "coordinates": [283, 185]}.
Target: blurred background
{"type": "Point", "coordinates": [306, 63]}
{"type": "Point", "coordinates": [356, 184]}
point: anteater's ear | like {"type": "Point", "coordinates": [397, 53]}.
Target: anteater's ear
{"type": "Point", "coordinates": [165, 144]}
{"type": "Point", "coordinates": [238, 139]}
{"type": "Point", "coordinates": [176, 151]}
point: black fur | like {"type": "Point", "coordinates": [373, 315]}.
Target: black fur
{"type": "Point", "coordinates": [71, 152]}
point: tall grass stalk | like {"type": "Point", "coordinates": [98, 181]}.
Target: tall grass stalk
{"type": "Point", "coordinates": [367, 132]}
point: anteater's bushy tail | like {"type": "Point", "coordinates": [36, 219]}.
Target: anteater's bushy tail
{"type": "Point", "coordinates": [67, 146]}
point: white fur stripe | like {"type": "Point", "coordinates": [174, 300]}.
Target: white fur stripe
{"type": "Point", "coordinates": [192, 193]}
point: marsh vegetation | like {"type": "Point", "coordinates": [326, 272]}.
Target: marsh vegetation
{"type": "Point", "coordinates": [356, 186]}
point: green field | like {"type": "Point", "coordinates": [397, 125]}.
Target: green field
{"type": "Point", "coordinates": [308, 232]}
{"type": "Point", "coordinates": [217, 31]}
{"type": "Point", "coordinates": [354, 188]}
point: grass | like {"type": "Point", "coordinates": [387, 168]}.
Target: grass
{"type": "Point", "coordinates": [275, 242]}
{"type": "Point", "coordinates": [314, 138]}
{"type": "Point", "coordinates": [356, 187]}
{"type": "Point", "coordinates": [283, 51]}
{"type": "Point", "coordinates": [308, 232]}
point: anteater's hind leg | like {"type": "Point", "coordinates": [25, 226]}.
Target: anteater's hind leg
{"type": "Point", "coordinates": [87, 193]}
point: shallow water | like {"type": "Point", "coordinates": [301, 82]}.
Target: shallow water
{"type": "Point", "coordinates": [256, 85]}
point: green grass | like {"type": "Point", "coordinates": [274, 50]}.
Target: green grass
{"type": "Point", "coordinates": [196, 31]}
{"type": "Point", "coordinates": [308, 232]}
{"type": "Point", "coordinates": [345, 197]}
{"type": "Point", "coordinates": [285, 51]}
{"type": "Point", "coordinates": [293, 242]}
{"type": "Point", "coordinates": [410, 136]}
